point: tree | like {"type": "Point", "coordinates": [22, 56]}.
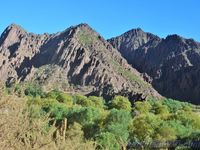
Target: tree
{"type": "Point", "coordinates": [84, 116]}
{"type": "Point", "coordinates": [107, 140]}
{"type": "Point", "coordinates": [142, 107]}
{"type": "Point", "coordinates": [173, 105]}
{"type": "Point", "coordinates": [83, 101]}
{"type": "Point", "coordinates": [120, 102]}
{"type": "Point", "coordinates": [65, 98]}
{"type": "Point", "coordinates": [188, 119]}
{"type": "Point", "coordinates": [97, 102]}
{"type": "Point", "coordinates": [165, 133]}
{"type": "Point", "coordinates": [143, 127]}
{"type": "Point", "coordinates": [161, 110]}
{"type": "Point", "coordinates": [117, 123]}
{"type": "Point", "coordinates": [53, 94]}
{"type": "Point", "coordinates": [181, 131]}
{"type": "Point", "coordinates": [34, 91]}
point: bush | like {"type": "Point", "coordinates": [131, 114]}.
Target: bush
{"type": "Point", "coordinates": [120, 102]}
{"type": "Point", "coordinates": [84, 115]}
{"type": "Point", "coordinates": [97, 102]}
{"type": "Point", "coordinates": [117, 123]}
{"type": "Point", "coordinates": [143, 127]}
{"type": "Point", "coordinates": [34, 91]}
{"type": "Point", "coordinates": [53, 94]}
{"type": "Point", "coordinates": [142, 107]}
{"type": "Point", "coordinates": [83, 101]}
{"type": "Point", "coordinates": [107, 140]}
{"type": "Point", "coordinates": [65, 98]}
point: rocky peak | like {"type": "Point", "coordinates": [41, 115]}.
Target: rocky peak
{"type": "Point", "coordinates": [174, 38]}
{"type": "Point", "coordinates": [14, 26]}
{"type": "Point", "coordinates": [12, 34]}
{"type": "Point", "coordinates": [78, 56]}
{"type": "Point", "coordinates": [135, 32]}
{"type": "Point", "coordinates": [84, 26]}
{"type": "Point", "coordinates": [172, 63]}
{"type": "Point", "coordinates": [133, 39]}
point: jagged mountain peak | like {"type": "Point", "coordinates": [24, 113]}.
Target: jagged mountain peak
{"type": "Point", "coordinates": [172, 62]}
{"type": "Point", "coordinates": [175, 38]}
{"type": "Point", "coordinates": [84, 25]}
{"type": "Point", "coordinates": [135, 31]}
{"type": "Point", "coordinates": [78, 56]}
{"type": "Point", "coordinates": [133, 39]}
{"type": "Point", "coordinates": [11, 34]}
{"type": "Point", "coordinates": [14, 26]}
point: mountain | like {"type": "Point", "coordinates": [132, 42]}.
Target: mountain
{"type": "Point", "coordinates": [75, 60]}
{"type": "Point", "coordinates": [172, 63]}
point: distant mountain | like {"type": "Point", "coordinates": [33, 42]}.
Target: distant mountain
{"type": "Point", "coordinates": [172, 63]}
{"type": "Point", "coordinates": [77, 59]}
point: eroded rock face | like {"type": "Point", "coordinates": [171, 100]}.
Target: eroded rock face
{"type": "Point", "coordinates": [78, 56]}
{"type": "Point", "coordinates": [172, 63]}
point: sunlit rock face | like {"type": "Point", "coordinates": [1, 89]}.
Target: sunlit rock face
{"type": "Point", "coordinates": [77, 59]}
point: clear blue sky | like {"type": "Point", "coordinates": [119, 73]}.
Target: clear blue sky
{"type": "Point", "coordinates": [108, 17]}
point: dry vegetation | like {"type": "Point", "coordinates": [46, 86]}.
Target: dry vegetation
{"type": "Point", "coordinates": [24, 127]}
{"type": "Point", "coordinates": [32, 119]}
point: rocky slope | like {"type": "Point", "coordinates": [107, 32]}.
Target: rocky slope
{"type": "Point", "coordinates": [172, 63]}
{"type": "Point", "coordinates": [76, 59]}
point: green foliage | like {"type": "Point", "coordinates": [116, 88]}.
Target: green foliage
{"type": "Point", "coordinates": [175, 106]}
{"type": "Point", "coordinates": [57, 111]}
{"type": "Point", "coordinates": [65, 98]}
{"type": "Point", "coordinates": [126, 73]}
{"type": "Point", "coordinates": [118, 116]}
{"type": "Point", "coordinates": [18, 90]}
{"type": "Point", "coordinates": [142, 107]}
{"type": "Point", "coordinates": [143, 127]}
{"type": "Point", "coordinates": [181, 131]}
{"type": "Point", "coordinates": [53, 94]}
{"type": "Point", "coordinates": [112, 125]}
{"type": "Point", "coordinates": [84, 115]}
{"type": "Point", "coordinates": [107, 140]}
{"type": "Point", "coordinates": [98, 102]}
{"type": "Point", "coordinates": [160, 110]}
{"type": "Point", "coordinates": [188, 119]}
{"type": "Point", "coordinates": [120, 102]}
{"type": "Point", "coordinates": [83, 101]}
{"type": "Point", "coordinates": [34, 91]}
{"type": "Point", "coordinates": [117, 123]}
{"type": "Point", "coordinates": [165, 132]}
{"type": "Point", "coordinates": [86, 37]}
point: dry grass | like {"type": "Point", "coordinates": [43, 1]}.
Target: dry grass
{"type": "Point", "coordinates": [24, 128]}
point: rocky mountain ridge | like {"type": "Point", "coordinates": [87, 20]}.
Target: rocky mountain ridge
{"type": "Point", "coordinates": [77, 57]}
{"type": "Point", "coordinates": [172, 62]}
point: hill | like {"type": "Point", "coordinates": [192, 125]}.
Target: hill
{"type": "Point", "coordinates": [75, 60]}
{"type": "Point", "coordinates": [172, 63]}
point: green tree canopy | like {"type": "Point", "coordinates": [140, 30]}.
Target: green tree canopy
{"type": "Point", "coordinates": [120, 102]}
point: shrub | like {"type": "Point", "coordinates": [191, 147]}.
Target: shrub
{"type": "Point", "coordinates": [97, 102]}
{"type": "Point", "coordinates": [65, 98]}
{"type": "Point", "coordinates": [83, 101]}
{"type": "Point", "coordinates": [120, 102]}
{"type": "Point", "coordinates": [107, 140]}
{"type": "Point", "coordinates": [142, 107]}
{"type": "Point", "coordinates": [34, 91]}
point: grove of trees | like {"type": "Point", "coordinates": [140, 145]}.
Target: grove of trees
{"type": "Point", "coordinates": [112, 124]}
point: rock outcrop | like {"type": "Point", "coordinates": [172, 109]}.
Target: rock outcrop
{"type": "Point", "coordinates": [76, 59]}
{"type": "Point", "coordinates": [172, 63]}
